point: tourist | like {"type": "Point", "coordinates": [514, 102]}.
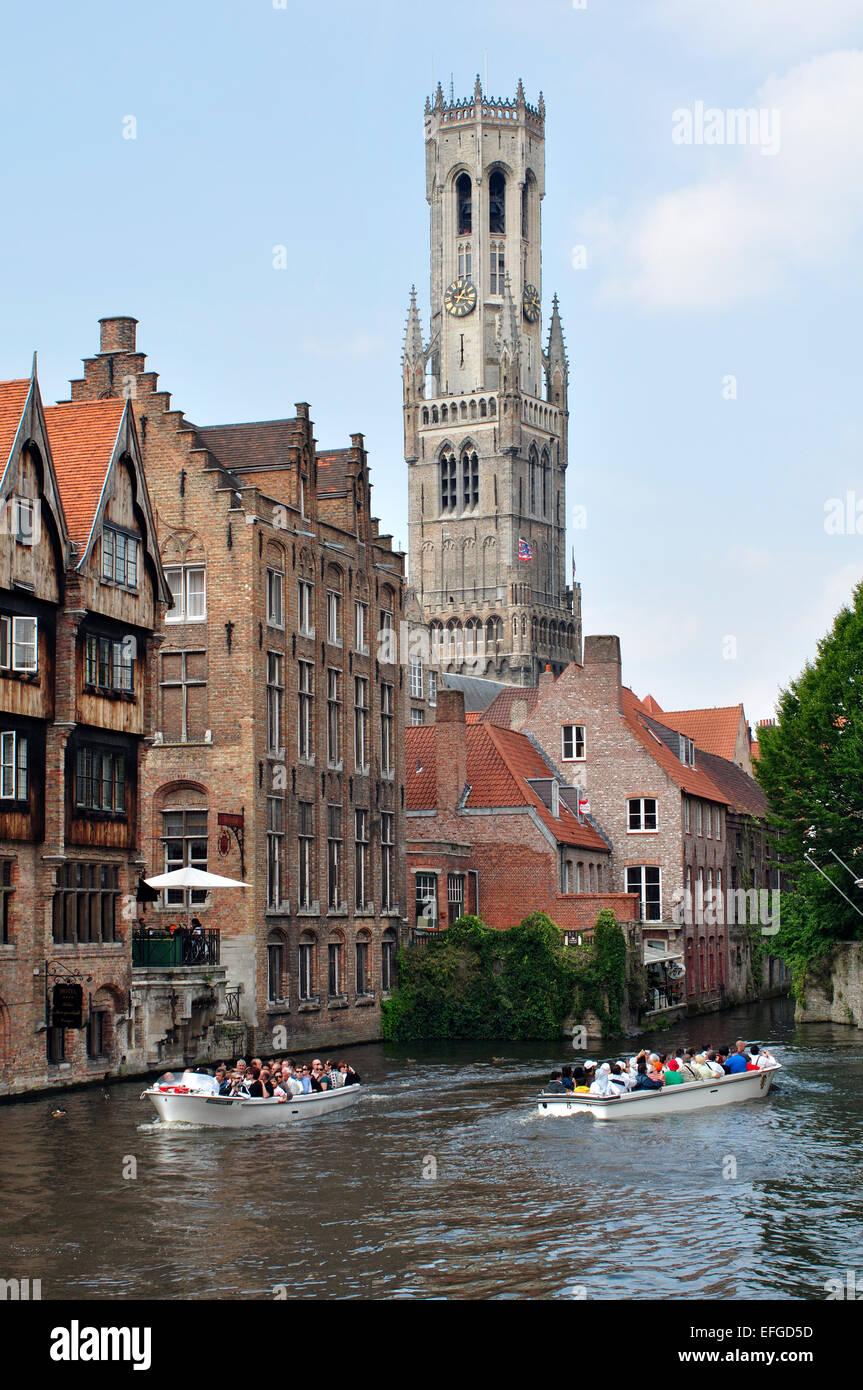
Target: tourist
{"type": "Point", "coordinates": [655, 1068]}
{"type": "Point", "coordinates": [701, 1068]}
{"type": "Point", "coordinates": [555, 1085]}
{"type": "Point", "coordinates": [566, 1078]}
{"type": "Point", "coordinates": [306, 1080]}
{"type": "Point", "coordinates": [333, 1075]}
{"type": "Point", "coordinates": [713, 1063]}
{"type": "Point", "coordinates": [618, 1081]}
{"type": "Point", "coordinates": [671, 1073]}
{"type": "Point", "coordinates": [291, 1083]}
{"type": "Point", "coordinates": [736, 1063]}
{"type": "Point", "coordinates": [581, 1087]}
{"type": "Point", "coordinates": [643, 1080]}
{"type": "Point", "coordinates": [762, 1058]}
{"type": "Point", "coordinates": [319, 1081]}
{"type": "Point", "coordinates": [352, 1078]}
{"type": "Point", "coordinates": [601, 1086]}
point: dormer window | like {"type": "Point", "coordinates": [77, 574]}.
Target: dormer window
{"type": "Point", "coordinates": [119, 557]}
{"type": "Point", "coordinates": [687, 751]}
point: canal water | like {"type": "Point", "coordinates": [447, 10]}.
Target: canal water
{"type": "Point", "coordinates": [445, 1183]}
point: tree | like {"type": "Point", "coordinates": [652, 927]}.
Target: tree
{"type": "Point", "coordinates": [811, 770]}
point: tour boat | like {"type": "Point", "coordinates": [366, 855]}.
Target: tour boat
{"type": "Point", "coordinates": [671, 1100]}
{"type": "Point", "coordinates": [194, 1099]}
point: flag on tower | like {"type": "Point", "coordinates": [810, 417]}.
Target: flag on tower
{"type": "Point", "coordinates": [524, 549]}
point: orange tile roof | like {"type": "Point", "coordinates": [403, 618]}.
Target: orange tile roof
{"type": "Point", "coordinates": [500, 710]}
{"type": "Point", "coordinates": [13, 398]}
{"type": "Point", "coordinates": [499, 762]}
{"type": "Point", "coordinates": [83, 436]}
{"type": "Point", "coordinates": [689, 779]}
{"type": "Point", "coordinates": [472, 716]}
{"type": "Point", "coordinates": [714, 730]}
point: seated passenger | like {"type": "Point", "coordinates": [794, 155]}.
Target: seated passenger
{"type": "Point", "coordinates": [643, 1082]}
{"type": "Point", "coordinates": [701, 1069]}
{"type": "Point", "coordinates": [601, 1086]}
{"type": "Point", "coordinates": [618, 1081]}
{"type": "Point", "coordinates": [762, 1058]}
{"type": "Point", "coordinates": [352, 1078]}
{"type": "Point", "coordinates": [714, 1065]}
{"type": "Point", "coordinates": [671, 1074]}
{"type": "Point", "coordinates": [737, 1062]}
{"type": "Point", "coordinates": [566, 1078]}
{"type": "Point", "coordinates": [655, 1068]}
{"type": "Point", "coordinates": [578, 1076]}
{"type": "Point", "coordinates": [555, 1085]}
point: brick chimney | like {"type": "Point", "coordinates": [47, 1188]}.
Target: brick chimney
{"type": "Point", "coordinates": [450, 748]}
{"type": "Point", "coordinates": [546, 679]}
{"type": "Point", "coordinates": [117, 335]}
{"type": "Point", "coordinates": [602, 659]}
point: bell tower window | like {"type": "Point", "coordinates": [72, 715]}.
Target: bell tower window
{"type": "Point", "coordinates": [498, 268]}
{"type": "Point", "coordinates": [447, 483]}
{"type": "Point", "coordinates": [470, 479]}
{"type": "Point", "coordinates": [497, 203]}
{"type": "Point", "coordinates": [464, 259]}
{"type": "Point", "coordinates": [464, 204]}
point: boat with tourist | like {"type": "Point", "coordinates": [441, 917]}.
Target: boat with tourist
{"type": "Point", "coordinates": [193, 1098]}
{"type": "Point", "coordinates": [669, 1100]}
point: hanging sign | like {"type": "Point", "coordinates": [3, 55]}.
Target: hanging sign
{"type": "Point", "coordinates": [67, 1006]}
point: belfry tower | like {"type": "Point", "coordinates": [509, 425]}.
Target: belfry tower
{"type": "Point", "coordinates": [485, 405]}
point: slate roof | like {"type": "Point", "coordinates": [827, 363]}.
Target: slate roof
{"type": "Point", "coordinates": [478, 691]}
{"type": "Point", "coordinates": [257, 446]}
{"type": "Point", "coordinates": [741, 791]}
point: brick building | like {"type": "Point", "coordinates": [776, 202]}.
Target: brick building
{"type": "Point", "coordinates": [280, 701]}
{"type": "Point", "coordinates": [81, 590]}
{"type": "Point", "coordinates": [491, 831]}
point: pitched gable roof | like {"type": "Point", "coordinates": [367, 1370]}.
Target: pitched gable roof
{"type": "Point", "coordinates": [513, 706]}
{"type": "Point", "coordinates": [333, 471]}
{"type": "Point", "coordinates": [258, 446]}
{"type": "Point", "coordinates": [13, 399]}
{"type": "Point", "coordinates": [741, 791]}
{"type": "Point", "coordinates": [693, 781]}
{"type": "Point", "coordinates": [714, 730]}
{"type": "Point", "coordinates": [83, 437]}
{"type": "Point", "coordinates": [500, 763]}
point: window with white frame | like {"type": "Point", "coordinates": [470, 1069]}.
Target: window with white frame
{"type": "Point", "coordinates": [418, 716]}
{"type": "Point", "coordinates": [387, 717]}
{"type": "Point", "coordinates": [717, 823]}
{"type": "Point", "coordinates": [641, 813]}
{"type": "Point", "coordinates": [387, 851]}
{"type": "Point", "coordinates": [305, 695]}
{"type": "Point", "coordinates": [23, 513]}
{"type": "Point", "coordinates": [119, 557]}
{"type": "Point", "coordinates": [572, 738]}
{"type": "Point", "coordinates": [361, 723]}
{"type": "Point", "coordinates": [686, 815]}
{"type": "Point", "coordinates": [426, 900]}
{"type": "Point", "coordinates": [388, 647]}
{"type": "Point", "coordinates": [334, 717]}
{"type": "Point", "coordinates": [306, 968]}
{"type": "Point", "coordinates": [14, 766]}
{"type": "Point", "coordinates": [432, 696]}
{"type": "Point", "coordinates": [305, 608]}
{"type": "Point", "coordinates": [698, 818]}
{"type": "Point", "coordinates": [275, 598]}
{"type": "Point", "coordinates": [334, 617]}
{"type": "Point", "coordinates": [184, 836]}
{"type": "Point", "coordinates": [19, 644]}
{"type": "Point", "coordinates": [709, 819]}
{"type": "Point", "coordinates": [361, 859]}
{"type": "Point", "coordinates": [188, 585]}
{"type": "Point", "coordinates": [361, 621]}
{"type": "Point", "coordinates": [416, 677]}
{"type": "Point", "coordinates": [275, 699]}
{"type": "Point", "coordinates": [687, 750]}
{"type": "Point", "coordinates": [455, 896]}
{"type": "Point", "coordinates": [645, 880]}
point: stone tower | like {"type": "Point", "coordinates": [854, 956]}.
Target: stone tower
{"type": "Point", "coordinates": [485, 405]}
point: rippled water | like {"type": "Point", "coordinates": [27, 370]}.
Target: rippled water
{"type": "Point", "coordinates": [522, 1205]}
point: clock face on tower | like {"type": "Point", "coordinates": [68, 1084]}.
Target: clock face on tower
{"type": "Point", "coordinates": [530, 303]}
{"type": "Point", "coordinates": [460, 297]}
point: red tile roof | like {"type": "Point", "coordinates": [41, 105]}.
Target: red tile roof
{"type": "Point", "coordinates": [472, 716]}
{"type": "Point", "coordinates": [691, 780]}
{"type": "Point", "coordinates": [714, 730]}
{"type": "Point", "coordinates": [516, 697]}
{"type": "Point", "coordinates": [13, 398]}
{"type": "Point", "coordinates": [499, 762]}
{"type": "Point", "coordinates": [83, 436]}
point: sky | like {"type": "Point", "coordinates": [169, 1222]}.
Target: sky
{"type": "Point", "coordinates": [156, 155]}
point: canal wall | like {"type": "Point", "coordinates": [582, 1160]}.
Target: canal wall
{"type": "Point", "coordinates": [833, 988]}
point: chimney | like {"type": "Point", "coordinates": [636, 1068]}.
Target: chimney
{"type": "Point", "coordinates": [450, 748]}
{"type": "Point", "coordinates": [546, 679]}
{"type": "Point", "coordinates": [117, 335]}
{"type": "Point", "coordinates": [602, 660]}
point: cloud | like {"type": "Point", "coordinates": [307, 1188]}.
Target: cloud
{"type": "Point", "coordinates": [779, 28]}
{"type": "Point", "coordinates": [755, 223]}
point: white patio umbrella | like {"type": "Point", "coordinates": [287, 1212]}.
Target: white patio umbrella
{"type": "Point", "coordinates": [193, 878]}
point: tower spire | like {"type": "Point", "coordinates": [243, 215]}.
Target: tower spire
{"type": "Point", "coordinates": [508, 335]}
{"type": "Point", "coordinates": [556, 355]}
{"type": "Point", "coordinates": [413, 348]}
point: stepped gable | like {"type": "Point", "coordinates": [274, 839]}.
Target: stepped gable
{"type": "Point", "coordinates": [500, 766]}
{"type": "Point", "coordinates": [691, 780]}
{"type": "Point", "coordinates": [333, 472]}
{"type": "Point", "coordinates": [83, 439]}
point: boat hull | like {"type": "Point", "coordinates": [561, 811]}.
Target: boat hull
{"type": "Point", "coordinates": [671, 1100]}
{"type": "Point", "coordinates": [227, 1112]}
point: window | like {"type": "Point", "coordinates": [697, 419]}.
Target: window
{"type": "Point", "coordinates": [426, 900]}
{"type": "Point", "coordinates": [497, 276]}
{"type": "Point", "coordinates": [275, 850]}
{"type": "Point", "coordinates": [361, 723]}
{"type": "Point", "coordinates": [361, 613]}
{"type": "Point", "coordinates": [119, 557]}
{"type": "Point", "coordinates": [709, 818]}
{"type": "Point", "coordinates": [447, 483]}
{"type": "Point", "coordinates": [275, 598]}
{"type": "Point", "coordinates": [55, 1045]}
{"type": "Point", "coordinates": [109, 665]}
{"type": "Point", "coordinates": [6, 891]}
{"type": "Point", "coordinates": [573, 742]}
{"type": "Point", "coordinates": [334, 968]}
{"type": "Point", "coordinates": [416, 667]}
{"type": "Point", "coordinates": [717, 823]}
{"type": "Point", "coordinates": [334, 617]}
{"type": "Point", "coordinates": [362, 948]}
{"type": "Point", "coordinates": [687, 750]}
{"type": "Point", "coordinates": [418, 716]}
{"type": "Point", "coordinates": [463, 205]}
{"type": "Point", "coordinates": [306, 843]}
{"type": "Point", "coordinates": [306, 968]}
{"type": "Point", "coordinates": [641, 813]}
{"type": "Point", "coordinates": [432, 687]}
{"type": "Point", "coordinates": [277, 983]}
{"type": "Point", "coordinates": [387, 848]}
{"type": "Point", "coordinates": [97, 1033]}
{"type": "Point", "coordinates": [23, 519]}
{"type": "Point", "coordinates": [305, 725]}
{"type": "Point", "coordinates": [184, 696]}
{"type": "Point", "coordinates": [464, 260]}
{"type": "Point", "coordinates": [184, 835]}
{"type": "Point", "coordinates": [86, 902]}
{"type": "Point", "coordinates": [470, 479]}
{"type": "Point", "coordinates": [14, 767]}
{"type": "Point", "coordinates": [387, 730]}
{"type": "Point", "coordinates": [455, 896]}
{"type": "Point", "coordinates": [19, 647]}
{"type": "Point", "coordinates": [334, 856]}
{"type": "Point", "coordinates": [275, 698]}
{"type": "Point", "coordinates": [188, 585]}
{"type": "Point", "coordinates": [361, 884]}
{"type": "Point", "coordinates": [497, 203]}
{"type": "Point", "coordinates": [644, 880]}
{"type": "Point", "coordinates": [698, 815]}
{"type": "Point", "coordinates": [388, 650]}
{"type": "Point", "coordinates": [305, 608]}
{"type": "Point", "coordinates": [100, 780]}
{"type": "Point", "coordinates": [334, 716]}
{"type": "Point", "coordinates": [388, 960]}
{"type": "Point", "coordinates": [687, 818]}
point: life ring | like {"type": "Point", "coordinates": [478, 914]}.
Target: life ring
{"type": "Point", "coordinates": [676, 972]}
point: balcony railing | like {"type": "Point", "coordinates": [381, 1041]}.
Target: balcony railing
{"type": "Point", "coordinates": [171, 949]}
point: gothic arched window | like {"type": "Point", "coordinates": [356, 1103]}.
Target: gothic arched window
{"type": "Point", "coordinates": [545, 479]}
{"type": "Point", "coordinates": [533, 467]}
{"type": "Point", "coordinates": [463, 191]}
{"type": "Point", "coordinates": [447, 483]}
{"type": "Point", "coordinates": [497, 203]}
{"type": "Point", "coordinates": [470, 479]}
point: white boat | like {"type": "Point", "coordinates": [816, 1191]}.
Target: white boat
{"type": "Point", "coordinates": [193, 1099]}
{"type": "Point", "coordinates": [671, 1100]}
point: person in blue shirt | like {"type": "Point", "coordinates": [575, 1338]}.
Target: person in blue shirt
{"type": "Point", "coordinates": [737, 1060]}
